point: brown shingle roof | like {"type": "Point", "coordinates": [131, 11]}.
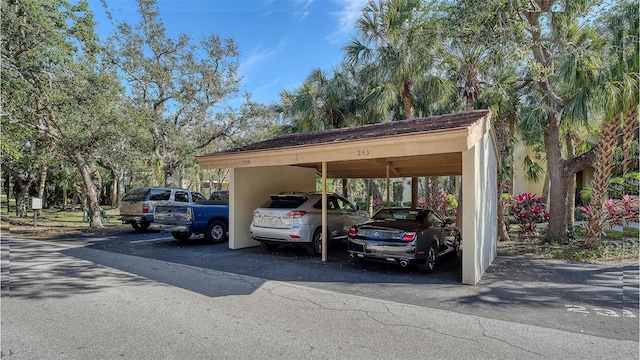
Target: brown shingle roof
{"type": "Point", "coordinates": [387, 129]}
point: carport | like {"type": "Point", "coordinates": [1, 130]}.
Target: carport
{"type": "Point", "coordinates": [455, 144]}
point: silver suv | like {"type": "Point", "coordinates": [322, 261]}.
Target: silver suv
{"type": "Point", "coordinates": [295, 218]}
{"type": "Point", "coordinates": [137, 206]}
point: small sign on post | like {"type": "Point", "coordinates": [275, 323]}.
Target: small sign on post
{"type": "Point", "coordinates": [36, 204]}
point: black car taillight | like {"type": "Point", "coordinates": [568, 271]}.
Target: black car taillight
{"type": "Point", "coordinates": [353, 231]}
{"type": "Point", "coordinates": [409, 236]}
{"type": "Point", "coordinates": [145, 208]}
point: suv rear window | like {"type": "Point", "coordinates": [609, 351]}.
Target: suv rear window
{"type": "Point", "coordinates": [160, 194]}
{"type": "Point", "coordinates": [136, 194]}
{"type": "Point", "coordinates": [284, 202]}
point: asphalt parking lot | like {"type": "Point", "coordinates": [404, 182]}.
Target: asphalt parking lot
{"type": "Point", "coordinates": [602, 299]}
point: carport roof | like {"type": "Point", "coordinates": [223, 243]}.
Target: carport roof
{"type": "Point", "coordinates": [430, 146]}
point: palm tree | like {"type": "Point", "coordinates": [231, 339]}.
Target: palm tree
{"type": "Point", "coordinates": [396, 50]}
{"type": "Point", "coordinates": [619, 98]}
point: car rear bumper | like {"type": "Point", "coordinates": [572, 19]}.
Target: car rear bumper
{"type": "Point", "coordinates": [390, 252]}
{"type": "Point", "coordinates": [296, 234]}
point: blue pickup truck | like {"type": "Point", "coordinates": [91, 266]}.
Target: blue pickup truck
{"type": "Point", "coordinates": [210, 217]}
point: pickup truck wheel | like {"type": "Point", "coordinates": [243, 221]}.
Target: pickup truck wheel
{"type": "Point", "coordinates": [216, 232]}
{"type": "Point", "coordinates": [181, 236]}
{"type": "Point", "coordinates": [140, 226]}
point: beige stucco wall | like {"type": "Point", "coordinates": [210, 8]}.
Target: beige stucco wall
{"type": "Point", "coordinates": [520, 182]}
{"type": "Point", "coordinates": [480, 206]}
{"type": "Point", "coordinates": [251, 187]}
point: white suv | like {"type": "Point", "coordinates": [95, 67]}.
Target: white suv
{"type": "Point", "coordinates": [137, 206]}
{"type": "Point", "coordinates": [294, 218]}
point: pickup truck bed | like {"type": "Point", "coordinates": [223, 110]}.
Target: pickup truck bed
{"type": "Point", "coordinates": [211, 219]}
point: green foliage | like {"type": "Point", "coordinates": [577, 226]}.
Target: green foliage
{"type": "Point", "coordinates": [175, 84]}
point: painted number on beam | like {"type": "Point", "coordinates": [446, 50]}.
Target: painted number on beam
{"type": "Point", "coordinates": [364, 152]}
{"type": "Point", "coordinates": [600, 311]}
{"type": "Point", "coordinates": [246, 162]}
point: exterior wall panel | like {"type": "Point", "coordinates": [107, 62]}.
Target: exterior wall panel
{"type": "Point", "coordinates": [250, 187]}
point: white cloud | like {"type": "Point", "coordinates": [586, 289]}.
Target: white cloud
{"type": "Point", "coordinates": [300, 15]}
{"type": "Point", "coordinates": [348, 13]}
{"type": "Point", "coordinates": [306, 3]}
{"type": "Point", "coordinates": [260, 56]}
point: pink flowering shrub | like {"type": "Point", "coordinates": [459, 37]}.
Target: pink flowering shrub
{"type": "Point", "coordinates": [528, 210]}
{"type": "Point", "coordinates": [377, 204]}
{"type": "Point", "coordinates": [622, 212]}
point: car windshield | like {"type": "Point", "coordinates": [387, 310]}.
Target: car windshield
{"type": "Point", "coordinates": [399, 214]}
{"type": "Point", "coordinates": [136, 194]}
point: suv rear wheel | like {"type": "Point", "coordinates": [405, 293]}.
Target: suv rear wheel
{"type": "Point", "coordinates": [315, 248]}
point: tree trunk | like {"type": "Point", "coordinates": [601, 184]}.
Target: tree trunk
{"type": "Point", "coordinates": [503, 232]}
{"type": "Point", "coordinates": [414, 192]}
{"type": "Point", "coordinates": [64, 197]}
{"type": "Point", "coordinates": [558, 181]}
{"type": "Point", "coordinates": [345, 189]}
{"type": "Point", "coordinates": [41, 186]}
{"type": "Point", "coordinates": [90, 193]}
{"type": "Point", "coordinates": [630, 130]}
{"type": "Point", "coordinates": [168, 175]}
{"type": "Point", "coordinates": [597, 217]}
{"type": "Point", "coordinates": [121, 186]}
{"type": "Point", "coordinates": [571, 194]}
{"type": "Point", "coordinates": [114, 188]}
{"type": "Point", "coordinates": [21, 190]}
{"type": "Point", "coordinates": [74, 196]}
{"type": "Point", "coordinates": [431, 194]}
{"type": "Point", "coordinates": [7, 184]}
{"type": "Point", "coordinates": [406, 99]}
{"type": "Point", "coordinates": [43, 182]}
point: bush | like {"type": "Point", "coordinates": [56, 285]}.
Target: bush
{"type": "Point", "coordinates": [528, 210]}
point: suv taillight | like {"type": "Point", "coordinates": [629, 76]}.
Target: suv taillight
{"type": "Point", "coordinates": [145, 208]}
{"type": "Point", "coordinates": [296, 214]}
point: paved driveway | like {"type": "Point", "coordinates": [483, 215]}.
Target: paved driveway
{"type": "Point", "coordinates": [601, 300]}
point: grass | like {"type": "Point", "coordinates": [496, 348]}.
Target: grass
{"type": "Point", "coordinates": [54, 223]}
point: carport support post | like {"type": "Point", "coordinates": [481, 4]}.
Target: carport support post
{"type": "Point", "coordinates": [388, 188]}
{"type": "Point", "coordinates": [324, 211]}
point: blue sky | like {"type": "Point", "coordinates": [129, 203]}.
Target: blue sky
{"type": "Point", "coordinates": [280, 41]}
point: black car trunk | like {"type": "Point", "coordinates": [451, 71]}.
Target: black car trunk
{"type": "Point", "coordinates": [386, 230]}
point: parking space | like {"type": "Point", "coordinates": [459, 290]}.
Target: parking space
{"type": "Point", "coordinates": [575, 297]}
{"type": "Point", "coordinates": [284, 264]}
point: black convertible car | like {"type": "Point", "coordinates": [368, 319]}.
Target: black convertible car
{"type": "Point", "coordinates": [404, 236]}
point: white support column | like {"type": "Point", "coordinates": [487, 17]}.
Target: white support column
{"type": "Point", "coordinates": [470, 273]}
{"type": "Point", "coordinates": [324, 212]}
